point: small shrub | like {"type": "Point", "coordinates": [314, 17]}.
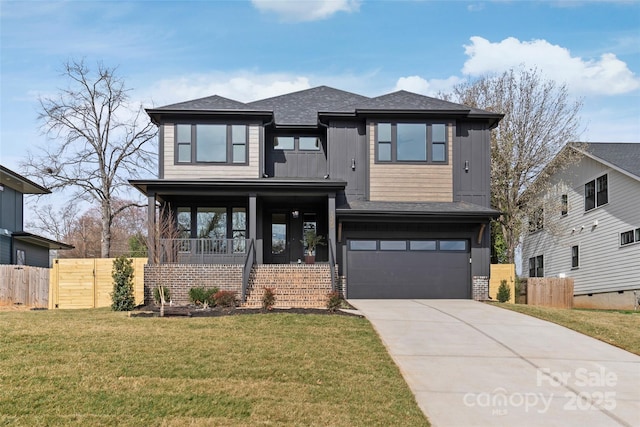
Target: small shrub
{"type": "Point", "coordinates": [225, 298]}
{"type": "Point", "coordinates": [156, 294]}
{"type": "Point", "coordinates": [200, 296]}
{"type": "Point", "coordinates": [122, 298]}
{"type": "Point", "coordinates": [334, 301]}
{"type": "Point", "coordinates": [504, 293]}
{"type": "Point", "coordinates": [268, 298]}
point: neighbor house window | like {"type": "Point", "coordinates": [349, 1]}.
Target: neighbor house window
{"type": "Point", "coordinates": [536, 220]}
{"type": "Point", "coordinates": [596, 193]}
{"type": "Point", "coordinates": [536, 266]}
{"type": "Point", "coordinates": [21, 257]}
{"type": "Point", "coordinates": [629, 237]}
{"type": "Point", "coordinates": [411, 142]}
{"type": "Point", "coordinates": [575, 257]}
{"type": "Point", "coordinates": [211, 143]}
{"type": "Point", "coordinates": [564, 205]}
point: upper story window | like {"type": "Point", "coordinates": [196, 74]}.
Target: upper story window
{"type": "Point", "coordinates": [211, 143]}
{"type": "Point", "coordinates": [564, 205]}
{"type": "Point", "coordinates": [411, 142]}
{"type": "Point", "coordinates": [536, 220]}
{"type": "Point", "coordinates": [301, 143]}
{"type": "Point", "coordinates": [596, 193]}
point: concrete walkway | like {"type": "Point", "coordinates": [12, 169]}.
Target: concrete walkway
{"type": "Point", "coordinates": [473, 364]}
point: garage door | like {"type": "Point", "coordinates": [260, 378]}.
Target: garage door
{"type": "Point", "coordinates": [405, 269]}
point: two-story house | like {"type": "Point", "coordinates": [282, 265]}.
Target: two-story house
{"type": "Point", "coordinates": [16, 245]}
{"type": "Point", "coordinates": [398, 185]}
{"type": "Point", "coordinates": [590, 225]}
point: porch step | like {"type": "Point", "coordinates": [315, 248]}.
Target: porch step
{"type": "Point", "coordinates": [296, 285]}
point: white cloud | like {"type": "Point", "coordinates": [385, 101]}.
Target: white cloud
{"type": "Point", "coordinates": [308, 10]}
{"type": "Point", "coordinates": [239, 86]}
{"type": "Point", "coordinates": [422, 86]}
{"type": "Point", "coordinates": [605, 76]}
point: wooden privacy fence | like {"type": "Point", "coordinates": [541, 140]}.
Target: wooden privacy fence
{"type": "Point", "coordinates": [24, 285]}
{"type": "Point", "coordinates": [87, 282]}
{"type": "Point", "coordinates": [550, 292]}
{"type": "Point", "coordinates": [500, 272]}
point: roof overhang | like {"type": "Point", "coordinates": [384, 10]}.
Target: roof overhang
{"type": "Point", "coordinates": [23, 236]}
{"type": "Point", "coordinates": [20, 183]}
{"type": "Point", "coordinates": [158, 115]}
{"type": "Point", "coordinates": [258, 186]}
{"type": "Point", "coordinates": [430, 212]}
{"type": "Point", "coordinates": [491, 118]}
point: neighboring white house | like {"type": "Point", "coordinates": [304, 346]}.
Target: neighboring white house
{"type": "Point", "coordinates": [590, 226]}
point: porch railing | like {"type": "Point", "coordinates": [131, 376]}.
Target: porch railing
{"type": "Point", "coordinates": [250, 260]}
{"type": "Point", "coordinates": [203, 251]}
{"type": "Point", "coordinates": [332, 264]}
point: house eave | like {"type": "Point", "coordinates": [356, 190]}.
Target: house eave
{"type": "Point", "coordinates": [23, 236]}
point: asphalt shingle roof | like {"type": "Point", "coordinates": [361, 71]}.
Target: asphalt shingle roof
{"type": "Point", "coordinates": [417, 207]}
{"type": "Point", "coordinates": [213, 103]}
{"type": "Point", "coordinates": [301, 108]}
{"type": "Point", "coordinates": [626, 156]}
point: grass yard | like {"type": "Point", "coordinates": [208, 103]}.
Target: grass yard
{"type": "Point", "coordinates": [97, 367]}
{"type": "Point", "coordinates": [619, 328]}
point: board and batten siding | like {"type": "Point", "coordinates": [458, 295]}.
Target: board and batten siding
{"type": "Point", "coordinates": [406, 182]}
{"type": "Point", "coordinates": [210, 170]}
{"type": "Point", "coordinates": [605, 266]}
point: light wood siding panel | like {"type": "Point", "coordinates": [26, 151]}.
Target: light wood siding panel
{"type": "Point", "coordinates": [198, 171]}
{"type": "Point", "coordinates": [605, 266]}
{"type": "Point", "coordinates": [398, 182]}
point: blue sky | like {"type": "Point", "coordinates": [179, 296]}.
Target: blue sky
{"type": "Point", "coordinates": [174, 51]}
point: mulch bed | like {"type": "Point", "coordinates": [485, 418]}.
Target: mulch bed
{"type": "Point", "coordinates": [193, 311]}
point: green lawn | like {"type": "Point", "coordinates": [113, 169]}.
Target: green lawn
{"type": "Point", "coordinates": [620, 328]}
{"type": "Point", "coordinates": [97, 367]}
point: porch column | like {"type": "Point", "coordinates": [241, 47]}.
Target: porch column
{"type": "Point", "coordinates": [253, 223]}
{"type": "Point", "coordinates": [331, 234]}
{"type": "Point", "coordinates": [151, 228]}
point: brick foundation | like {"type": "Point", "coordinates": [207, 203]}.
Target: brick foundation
{"type": "Point", "coordinates": [179, 278]}
{"type": "Point", "coordinates": [480, 288]}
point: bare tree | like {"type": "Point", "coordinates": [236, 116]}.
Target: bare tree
{"type": "Point", "coordinates": [540, 118]}
{"type": "Point", "coordinates": [95, 141]}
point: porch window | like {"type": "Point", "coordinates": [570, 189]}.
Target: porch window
{"type": "Point", "coordinates": [212, 223]}
{"type": "Point", "coordinates": [239, 229]}
{"type": "Point", "coordinates": [183, 216]}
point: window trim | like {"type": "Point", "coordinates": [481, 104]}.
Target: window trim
{"type": "Point", "coordinates": [193, 143]}
{"type": "Point", "coordinates": [296, 144]}
{"type": "Point", "coordinates": [429, 142]}
{"type": "Point", "coordinates": [596, 194]}
{"type": "Point", "coordinates": [575, 257]}
{"type": "Point", "coordinates": [635, 237]}
{"type": "Point", "coordinates": [536, 263]}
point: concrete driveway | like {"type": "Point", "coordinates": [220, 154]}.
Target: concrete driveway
{"type": "Point", "coordinates": [474, 364]}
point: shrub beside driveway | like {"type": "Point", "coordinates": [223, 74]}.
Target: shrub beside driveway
{"type": "Point", "coordinates": [97, 367]}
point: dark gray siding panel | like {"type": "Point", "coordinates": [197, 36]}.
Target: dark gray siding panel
{"type": "Point", "coordinates": [348, 157]}
{"type": "Point", "coordinates": [11, 209]}
{"type": "Point", "coordinates": [36, 256]}
{"type": "Point", "coordinates": [294, 163]}
{"type": "Point", "coordinates": [472, 162]}
{"type": "Point", "coordinates": [5, 250]}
